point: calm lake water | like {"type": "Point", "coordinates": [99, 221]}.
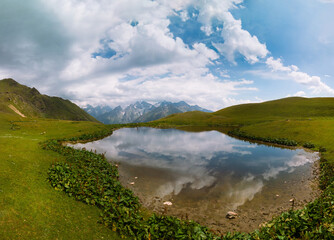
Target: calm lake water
{"type": "Point", "coordinates": [204, 172]}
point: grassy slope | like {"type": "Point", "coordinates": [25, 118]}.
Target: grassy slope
{"type": "Point", "coordinates": [288, 108]}
{"type": "Point", "coordinates": [318, 131]}
{"type": "Point", "coordinates": [30, 207]}
{"type": "Point", "coordinates": [33, 104]}
{"type": "Point", "coordinates": [300, 119]}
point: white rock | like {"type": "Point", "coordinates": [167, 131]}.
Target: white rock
{"type": "Point", "coordinates": [168, 203]}
{"type": "Point", "coordinates": [231, 215]}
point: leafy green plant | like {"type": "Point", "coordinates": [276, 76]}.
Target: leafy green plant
{"type": "Point", "coordinates": [308, 145]}
{"type": "Point", "coordinates": [89, 178]}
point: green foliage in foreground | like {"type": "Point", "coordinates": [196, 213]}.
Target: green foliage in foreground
{"type": "Point", "coordinates": [315, 221]}
{"type": "Point", "coordinates": [89, 178]}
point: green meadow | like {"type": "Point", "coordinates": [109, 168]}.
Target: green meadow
{"type": "Point", "coordinates": [32, 209]}
{"type": "Point", "coordinates": [29, 207]}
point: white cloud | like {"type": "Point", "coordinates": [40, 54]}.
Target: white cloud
{"type": "Point", "coordinates": [292, 72]}
{"type": "Point", "coordinates": [298, 94]}
{"type": "Point", "coordinates": [236, 39]}
{"type": "Point", "coordinates": [205, 91]}
{"type": "Point", "coordinates": [150, 63]}
{"type": "Point", "coordinates": [184, 15]}
{"type": "Point", "coordinates": [240, 41]}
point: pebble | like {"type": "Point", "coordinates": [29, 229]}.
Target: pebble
{"type": "Point", "coordinates": [168, 203]}
{"type": "Point", "coordinates": [231, 215]}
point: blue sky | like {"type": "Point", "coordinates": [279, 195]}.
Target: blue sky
{"type": "Point", "coordinates": [212, 53]}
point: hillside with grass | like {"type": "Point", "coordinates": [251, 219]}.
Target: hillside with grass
{"type": "Point", "coordinates": [301, 119]}
{"type": "Point", "coordinates": [40, 197]}
{"type": "Point", "coordinates": [244, 114]}
{"type": "Point", "coordinates": [28, 102]}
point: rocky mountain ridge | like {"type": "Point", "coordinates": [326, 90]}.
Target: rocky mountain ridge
{"type": "Point", "coordinates": [139, 111]}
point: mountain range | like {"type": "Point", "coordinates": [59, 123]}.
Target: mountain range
{"type": "Point", "coordinates": [139, 111]}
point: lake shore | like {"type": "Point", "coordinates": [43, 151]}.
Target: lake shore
{"type": "Point", "coordinates": [301, 185]}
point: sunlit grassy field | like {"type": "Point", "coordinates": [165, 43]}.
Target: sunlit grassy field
{"type": "Point", "coordinates": [29, 207]}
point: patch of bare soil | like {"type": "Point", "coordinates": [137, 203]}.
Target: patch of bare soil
{"type": "Point", "coordinates": [16, 111]}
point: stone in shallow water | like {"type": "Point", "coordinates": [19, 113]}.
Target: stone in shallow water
{"type": "Point", "coordinates": [231, 215]}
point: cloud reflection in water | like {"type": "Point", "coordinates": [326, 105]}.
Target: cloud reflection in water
{"type": "Point", "coordinates": [228, 167]}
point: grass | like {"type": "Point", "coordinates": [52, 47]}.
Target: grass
{"type": "Point", "coordinates": [289, 108]}
{"type": "Point", "coordinates": [33, 104]}
{"type": "Point", "coordinates": [30, 207]}
{"type": "Point", "coordinates": [318, 131]}
{"type": "Point", "coordinates": [300, 119]}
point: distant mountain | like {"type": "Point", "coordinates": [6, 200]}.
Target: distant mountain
{"type": "Point", "coordinates": [142, 111]}
{"type": "Point", "coordinates": [97, 111]}
{"type": "Point", "coordinates": [167, 108]}
{"type": "Point", "coordinates": [112, 117]}
{"type": "Point", "coordinates": [28, 102]}
{"type": "Point", "coordinates": [136, 110]}
{"type": "Point", "coordinates": [127, 115]}
{"type": "Point", "coordinates": [161, 111]}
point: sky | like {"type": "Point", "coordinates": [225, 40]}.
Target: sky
{"type": "Point", "coordinates": [213, 53]}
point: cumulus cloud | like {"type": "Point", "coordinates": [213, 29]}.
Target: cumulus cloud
{"type": "Point", "coordinates": [292, 72]}
{"type": "Point", "coordinates": [205, 91]}
{"type": "Point", "coordinates": [32, 41]}
{"type": "Point", "coordinates": [117, 52]}
{"type": "Point", "coordinates": [240, 41]}
{"type": "Point", "coordinates": [236, 39]}
{"type": "Point", "coordinates": [56, 44]}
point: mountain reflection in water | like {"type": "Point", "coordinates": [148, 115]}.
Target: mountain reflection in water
{"type": "Point", "coordinates": [197, 166]}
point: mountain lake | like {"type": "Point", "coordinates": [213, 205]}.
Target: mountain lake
{"type": "Point", "coordinates": [206, 174]}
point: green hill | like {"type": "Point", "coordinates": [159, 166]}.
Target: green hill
{"type": "Point", "coordinates": [24, 101]}
{"type": "Point", "coordinates": [282, 109]}
{"type": "Point", "coordinates": [293, 107]}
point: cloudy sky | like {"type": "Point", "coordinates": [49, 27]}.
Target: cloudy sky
{"type": "Point", "coordinates": [214, 53]}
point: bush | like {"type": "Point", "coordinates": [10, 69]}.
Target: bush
{"type": "Point", "coordinates": [308, 145]}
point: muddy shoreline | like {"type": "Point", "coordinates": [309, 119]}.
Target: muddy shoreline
{"type": "Point", "coordinates": [301, 185]}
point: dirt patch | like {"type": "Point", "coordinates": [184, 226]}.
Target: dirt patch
{"type": "Point", "coordinates": [16, 111]}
